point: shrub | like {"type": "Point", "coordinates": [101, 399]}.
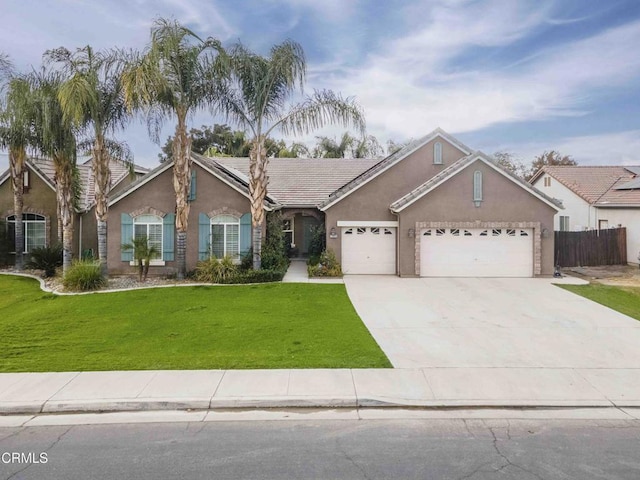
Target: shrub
{"type": "Point", "coordinates": [46, 259]}
{"type": "Point", "coordinates": [257, 276]}
{"type": "Point", "coordinates": [214, 270]}
{"type": "Point", "coordinates": [313, 260]}
{"type": "Point", "coordinates": [318, 241]}
{"type": "Point", "coordinates": [84, 276]}
{"type": "Point", "coordinates": [274, 252]}
{"type": "Point", "coordinates": [327, 267]}
{"type": "Point", "coordinates": [246, 262]}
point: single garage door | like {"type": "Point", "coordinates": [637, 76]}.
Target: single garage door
{"type": "Point", "coordinates": [458, 252]}
{"type": "Point", "coordinates": [369, 250]}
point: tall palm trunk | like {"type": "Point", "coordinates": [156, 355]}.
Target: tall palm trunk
{"type": "Point", "coordinates": [64, 196]}
{"type": "Point", "coordinates": [258, 182]}
{"type": "Point", "coordinates": [101, 175]}
{"type": "Point", "coordinates": [181, 184]}
{"type": "Point", "coordinates": [17, 157]}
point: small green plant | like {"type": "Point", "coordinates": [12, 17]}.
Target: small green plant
{"type": "Point", "coordinates": [214, 270]}
{"type": "Point", "coordinates": [46, 259]}
{"type": "Point", "coordinates": [257, 276]}
{"type": "Point", "coordinates": [83, 276]}
{"type": "Point", "coordinates": [328, 266]}
{"type": "Point", "coordinates": [143, 253]}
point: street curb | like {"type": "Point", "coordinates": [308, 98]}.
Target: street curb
{"type": "Point", "coordinates": [231, 403]}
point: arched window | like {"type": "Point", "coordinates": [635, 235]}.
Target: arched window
{"type": "Point", "coordinates": [225, 236]}
{"type": "Point", "coordinates": [477, 187]}
{"type": "Point", "coordinates": [149, 226]}
{"type": "Point", "coordinates": [437, 153]}
{"type": "Point", "coordinates": [35, 231]}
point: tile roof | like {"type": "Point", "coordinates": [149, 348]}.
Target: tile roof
{"type": "Point", "coordinates": [304, 182]}
{"type": "Point", "coordinates": [46, 169]}
{"type": "Point", "coordinates": [455, 167]}
{"type": "Point", "coordinates": [599, 185]}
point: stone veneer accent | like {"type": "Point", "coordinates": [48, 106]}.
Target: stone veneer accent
{"type": "Point", "coordinates": [148, 211]}
{"type": "Point", "coordinates": [537, 239]}
{"type": "Point", "coordinates": [224, 211]}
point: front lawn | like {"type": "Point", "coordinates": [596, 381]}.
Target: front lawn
{"type": "Point", "coordinates": [623, 299]}
{"type": "Point", "coordinates": [217, 327]}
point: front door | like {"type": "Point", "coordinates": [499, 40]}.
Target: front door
{"type": "Point", "coordinates": [308, 226]}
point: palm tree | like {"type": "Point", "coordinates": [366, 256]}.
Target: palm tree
{"type": "Point", "coordinates": [17, 135]}
{"type": "Point", "coordinates": [143, 252]}
{"type": "Point", "coordinates": [91, 97]}
{"type": "Point", "coordinates": [173, 77]}
{"type": "Point", "coordinates": [259, 101]}
{"type": "Point", "coordinates": [329, 148]}
{"type": "Point", "coordinates": [56, 140]}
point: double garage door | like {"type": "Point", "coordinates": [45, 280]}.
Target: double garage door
{"type": "Point", "coordinates": [458, 252]}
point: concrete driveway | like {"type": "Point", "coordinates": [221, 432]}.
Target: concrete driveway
{"type": "Point", "coordinates": [492, 323]}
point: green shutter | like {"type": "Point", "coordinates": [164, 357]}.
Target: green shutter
{"type": "Point", "coordinates": [192, 186]}
{"type": "Point", "coordinates": [245, 233]}
{"type": "Point", "coordinates": [168, 236]}
{"type": "Point", "coordinates": [204, 233]}
{"type": "Point", "coordinates": [126, 235]}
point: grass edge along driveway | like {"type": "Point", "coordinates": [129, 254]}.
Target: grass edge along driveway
{"type": "Point", "coordinates": [625, 300]}
{"type": "Point", "coordinates": [212, 327]}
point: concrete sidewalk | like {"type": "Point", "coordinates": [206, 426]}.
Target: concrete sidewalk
{"type": "Point", "coordinates": [297, 273]}
{"type": "Point", "coordinates": [27, 393]}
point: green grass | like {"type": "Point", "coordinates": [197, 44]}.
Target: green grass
{"type": "Point", "coordinates": [217, 327]}
{"type": "Point", "coordinates": [623, 299]}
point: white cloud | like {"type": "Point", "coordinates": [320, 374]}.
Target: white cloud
{"type": "Point", "coordinates": [613, 148]}
{"type": "Point", "coordinates": [411, 87]}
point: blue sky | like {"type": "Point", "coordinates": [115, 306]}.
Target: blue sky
{"type": "Point", "coordinates": [522, 76]}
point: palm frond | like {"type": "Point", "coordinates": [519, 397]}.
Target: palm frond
{"type": "Point", "coordinates": [322, 108]}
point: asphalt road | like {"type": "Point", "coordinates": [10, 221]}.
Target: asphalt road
{"type": "Point", "coordinates": [367, 449]}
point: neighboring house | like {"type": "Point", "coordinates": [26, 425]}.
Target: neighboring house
{"type": "Point", "coordinates": [434, 208]}
{"type": "Point", "coordinates": [595, 198]}
{"type": "Point", "coordinates": [40, 216]}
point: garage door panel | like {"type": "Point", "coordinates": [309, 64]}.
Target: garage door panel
{"type": "Point", "coordinates": [369, 250]}
{"type": "Point", "coordinates": [476, 253]}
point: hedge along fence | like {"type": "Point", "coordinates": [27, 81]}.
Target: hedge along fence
{"type": "Point", "coordinates": [591, 247]}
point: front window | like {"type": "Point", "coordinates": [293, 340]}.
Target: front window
{"type": "Point", "coordinates": [225, 236]}
{"type": "Point", "coordinates": [287, 229]}
{"type": "Point", "coordinates": [34, 228]}
{"type": "Point", "coordinates": [149, 227]}
{"type": "Point", "coordinates": [437, 153]}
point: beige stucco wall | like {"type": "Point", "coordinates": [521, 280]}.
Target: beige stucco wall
{"type": "Point", "coordinates": [211, 194]}
{"type": "Point", "coordinates": [371, 201]}
{"type": "Point", "coordinates": [503, 201]}
{"type": "Point", "coordinates": [40, 199]}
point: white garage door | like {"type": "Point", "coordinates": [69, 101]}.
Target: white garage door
{"type": "Point", "coordinates": [369, 250]}
{"type": "Point", "coordinates": [499, 252]}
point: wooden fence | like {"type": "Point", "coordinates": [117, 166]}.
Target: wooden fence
{"type": "Point", "coordinates": [592, 247]}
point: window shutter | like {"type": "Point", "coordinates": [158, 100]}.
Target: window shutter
{"type": "Point", "coordinates": [204, 233]}
{"type": "Point", "coordinates": [192, 186]}
{"type": "Point", "coordinates": [126, 235]}
{"type": "Point", "coordinates": [245, 233]}
{"type": "Point", "coordinates": [168, 236]}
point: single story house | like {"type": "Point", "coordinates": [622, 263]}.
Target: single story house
{"type": "Point", "coordinates": [434, 208]}
{"type": "Point", "coordinates": [595, 197]}
{"type": "Point", "coordinates": [40, 216]}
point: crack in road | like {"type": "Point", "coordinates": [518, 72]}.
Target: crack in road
{"type": "Point", "coordinates": [55, 442]}
{"type": "Point", "coordinates": [504, 457]}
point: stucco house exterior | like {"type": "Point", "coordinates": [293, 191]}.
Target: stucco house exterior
{"type": "Point", "coordinates": [595, 197]}
{"type": "Point", "coordinates": [434, 208]}
{"type": "Point", "coordinates": [40, 216]}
